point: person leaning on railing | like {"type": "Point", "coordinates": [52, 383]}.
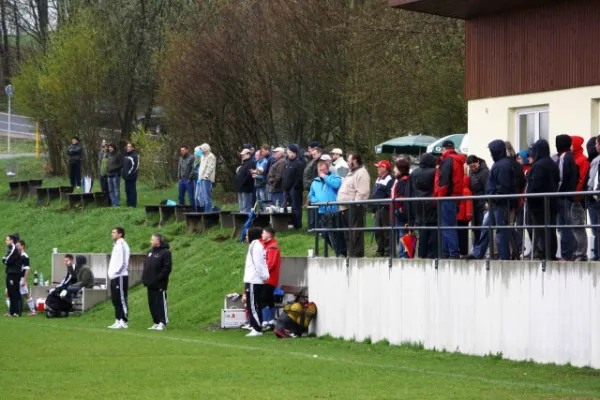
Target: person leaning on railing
{"type": "Point", "coordinates": [593, 149]}
{"type": "Point", "coordinates": [355, 187]}
{"type": "Point", "coordinates": [381, 212]}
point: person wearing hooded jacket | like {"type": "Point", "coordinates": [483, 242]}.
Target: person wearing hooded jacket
{"type": "Point", "coordinates": [131, 165]}
{"type": "Point", "coordinates": [208, 166]}
{"type": "Point", "coordinates": [421, 184]}
{"type": "Point", "coordinates": [577, 210]}
{"type": "Point", "coordinates": [155, 276]}
{"type": "Point", "coordinates": [569, 178]}
{"type": "Point", "coordinates": [544, 177]}
{"type": "Point", "coordinates": [593, 149]}
{"type": "Point", "coordinates": [325, 189]}
{"type": "Point", "coordinates": [293, 183]}
{"type": "Point", "coordinates": [478, 180]}
{"type": "Point", "coordinates": [502, 181]}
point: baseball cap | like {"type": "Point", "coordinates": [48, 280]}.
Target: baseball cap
{"type": "Point", "coordinates": [248, 146]}
{"type": "Point", "coordinates": [245, 151]}
{"type": "Point", "coordinates": [383, 163]}
{"type": "Point", "coordinates": [313, 144]}
{"type": "Point", "coordinates": [326, 157]}
{"type": "Point", "coordinates": [337, 151]}
{"type": "Point", "coordinates": [279, 150]}
{"type": "Point", "coordinates": [448, 144]}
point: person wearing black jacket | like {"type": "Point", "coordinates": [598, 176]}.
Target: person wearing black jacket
{"type": "Point", "coordinates": [544, 177]}
{"type": "Point", "coordinates": [382, 190]}
{"type": "Point", "coordinates": [421, 184]}
{"type": "Point", "coordinates": [244, 183]}
{"type": "Point", "coordinates": [75, 158]}
{"type": "Point", "coordinates": [569, 176]}
{"type": "Point", "coordinates": [131, 165]}
{"type": "Point", "coordinates": [155, 277]}
{"type": "Point", "coordinates": [12, 261]}
{"type": "Point", "coordinates": [293, 183]}
{"type": "Point", "coordinates": [114, 165]}
{"type": "Point", "coordinates": [478, 181]}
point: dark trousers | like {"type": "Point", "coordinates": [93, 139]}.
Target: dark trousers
{"type": "Point", "coordinates": [131, 192]}
{"type": "Point", "coordinates": [254, 293]}
{"type": "Point", "coordinates": [157, 302]}
{"type": "Point", "coordinates": [13, 287]}
{"type": "Point", "coordinates": [296, 201]}
{"type": "Point", "coordinates": [382, 219]}
{"type": "Point", "coordinates": [355, 240]}
{"type": "Point", "coordinates": [537, 218]}
{"type": "Point", "coordinates": [463, 238]}
{"type": "Point", "coordinates": [335, 239]}
{"type": "Point", "coordinates": [566, 234]}
{"type": "Point", "coordinates": [428, 243]}
{"type": "Point", "coordinates": [75, 174]}
{"type": "Point", "coordinates": [104, 184]}
{"type": "Point", "coordinates": [118, 293]}
{"type": "Point", "coordinates": [186, 186]}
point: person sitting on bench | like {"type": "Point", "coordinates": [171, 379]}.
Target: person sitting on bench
{"type": "Point", "coordinates": [83, 276]}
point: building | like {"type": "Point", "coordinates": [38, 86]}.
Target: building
{"type": "Point", "coordinates": [532, 67]}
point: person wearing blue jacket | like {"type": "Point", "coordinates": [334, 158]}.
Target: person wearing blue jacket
{"type": "Point", "coordinates": [502, 180]}
{"type": "Point", "coordinates": [324, 188]}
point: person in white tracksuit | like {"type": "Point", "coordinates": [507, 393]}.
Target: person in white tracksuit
{"type": "Point", "coordinates": [119, 277]}
{"type": "Point", "coordinates": [256, 273]}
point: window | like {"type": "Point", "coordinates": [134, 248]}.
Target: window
{"type": "Point", "coordinates": [532, 124]}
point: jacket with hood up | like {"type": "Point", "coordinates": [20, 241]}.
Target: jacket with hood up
{"type": "Point", "coordinates": [479, 179]}
{"type": "Point", "coordinates": [208, 164]}
{"type": "Point", "coordinates": [544, 176]}
{"type": "Point", "coordinates": [421, 184]}
{"type": "Point", "coordinates": [502, 178]}
{"type": "Point", "coordinates": [157, 267]}
{"type": "Point", "coordinates": [594, 160]}
{"type": "Point", "coordinates": [449, 178]}
{"type": "Point", "coordinates": [583, 165]}
{"type": "Point", "coordinates": [569, 174]}
{"type": "Point", "coordinates": [131, 165]}
{"type": "Point", "coordinates": [83, 276]}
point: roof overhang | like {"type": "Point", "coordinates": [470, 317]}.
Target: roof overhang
{"type": "Point", "coordinates": [467, 9]}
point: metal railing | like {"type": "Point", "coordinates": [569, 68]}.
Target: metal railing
{"type": "Point", "coordinates": [492, 202]}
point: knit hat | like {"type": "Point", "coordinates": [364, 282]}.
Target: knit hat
{"type": "Point", "coordinates": [294, 148]}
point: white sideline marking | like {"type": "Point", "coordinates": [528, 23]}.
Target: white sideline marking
{"type": "Point", "coordinates": [506, 383]}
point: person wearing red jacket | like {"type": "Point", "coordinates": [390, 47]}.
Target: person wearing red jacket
{"type": "Point", "coordinates": [465, 215]}
{"type": "Point", "coordinates": [449, 183]}
{"type": "Point", "coordinates": [578, 214]}
{"type": "Point", "coordinates": [273, 255]}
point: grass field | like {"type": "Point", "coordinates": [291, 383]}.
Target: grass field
{"type": "Point", "coordinates": [79, 358]}
{"type": "Point", "coordinates": [18, 146]}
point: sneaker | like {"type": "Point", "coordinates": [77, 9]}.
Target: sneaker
{"type": "Point", "coordinates": [581, 258]}
{"type": "Point", "coordinates": [116, 325]}
{"type": "Point", "coordinates": [254, 333]}
{"type": "Point", "coordinates": [15, 315]}
{"type": "Point", "coordinates": [123, 325]}
{"type": "Point", "coordinates": [153, 327]}
{"type": "Point", "coordinates": [161, 327]}
{"type": "Point", "coordinates": [8, 315]}
{"type": "Point", "coordinates": [32, 313]}
{"type": "Point", "coordinates": [247, 326]}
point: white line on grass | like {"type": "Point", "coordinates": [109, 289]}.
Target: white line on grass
{"type": "Point", "coordinates": [506, 383]}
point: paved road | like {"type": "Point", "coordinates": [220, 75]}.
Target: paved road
{"type": "Point", "coordinates": [19, 125]}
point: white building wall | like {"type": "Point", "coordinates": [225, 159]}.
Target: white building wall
{"type": "Point", "coordinates": [514, 308]}
{"type": "Point", "coordinates": [572, 111]}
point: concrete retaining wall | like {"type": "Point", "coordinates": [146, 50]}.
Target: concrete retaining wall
{"type": "Point", "coordinates": [514, 307]}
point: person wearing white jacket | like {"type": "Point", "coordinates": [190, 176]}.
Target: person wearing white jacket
{"type": "Point", "coordinates": [119, 277]}
{"type": "Point", "coordinates": [256, 273]}
{"type": "Point", "coordinates": [208, 166]}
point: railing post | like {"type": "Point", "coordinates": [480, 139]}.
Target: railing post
{"type": "Point", "coordinates": [547, 246]}
{"type": "Point", "coordinates": [316, 239]}
{"type": "Point", "coordinates": [393, 231]}
{"type": "Point", "coordinates": [349, 246]}
{"type": "Point", "coordinates": [439, 230]}
{"type": "Point", "coordinates": [491, 222]}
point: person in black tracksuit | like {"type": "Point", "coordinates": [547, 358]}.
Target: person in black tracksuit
{"type": "Point", "coordinates": [155, 277]}
{"type": "Point", "coordinates": [131, 165]}
{"type": "Point", "coordinates": [293, 183]}
{"type": "Point", "coordinates": [75, 158]}
{"type": "Point", "coordinates": [421, 184]}
{"type": "Point", "coordinates": [12, 260]}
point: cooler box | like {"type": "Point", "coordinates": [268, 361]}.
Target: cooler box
{"type": "Point", "coordinates": [233, 318]}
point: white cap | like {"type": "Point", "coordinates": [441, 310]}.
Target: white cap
{"type": "Point", "coordinates": [279, 150]}
{"type": "Point", "coordinates": [337, 151]}
{"type": "Point", "coordinates": [326, 157]}
{"type": "Point", "coordinates": [245, 151]}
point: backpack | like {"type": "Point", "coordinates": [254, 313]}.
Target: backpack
{"type": "Point", "coordinates": [294, 321]}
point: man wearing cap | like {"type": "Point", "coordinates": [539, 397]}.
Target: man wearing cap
{"type": "Point", "coordinates": [244, 183]}
{"type": "Point", "coordinates": [310, 173]}
{"type": "Point", "coordinates": [383, 190]}
{"type": "Point", "coordinates": [292, 183]}
{"type": "Point", "coordinates": [355, 187]}
{"type": "Point", "coordinates": [340, 165]}
{"type": "Point", "coordinates": [328, 160]}
{"type": "Point", "coordinates": [449, 183]}
{"type": "Point", "coordinates": [275, 177]}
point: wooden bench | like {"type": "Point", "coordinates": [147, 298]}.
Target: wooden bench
{"type": "Point", "coordinates": [18, 189]}
{"type": "Point", "coordinates": [152, 214]}
{"type": "Point", "coordinates": [168, 212]}
{"type": "Point", "coordinates": [82, 199]}
{"type": "Point", "coordinates": [281, 221]}
{"type": "Point", "coordinates": [199, 222]}
{"type": "Point", "coordinates": [240, 219]}
{"type": "Point", "coordinates": [46, 195]}
{"type": "Point", "coordinates": [226, 220]}
{"type": "Point", "coordinates": [180, 212]}
{"type": "Point", "coordinates": [102, 199]}
{"type": "Point", "coordinates": [65, 191]}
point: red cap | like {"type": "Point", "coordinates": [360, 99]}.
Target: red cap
{"type": "Point", "coordinates": [384, 163]}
